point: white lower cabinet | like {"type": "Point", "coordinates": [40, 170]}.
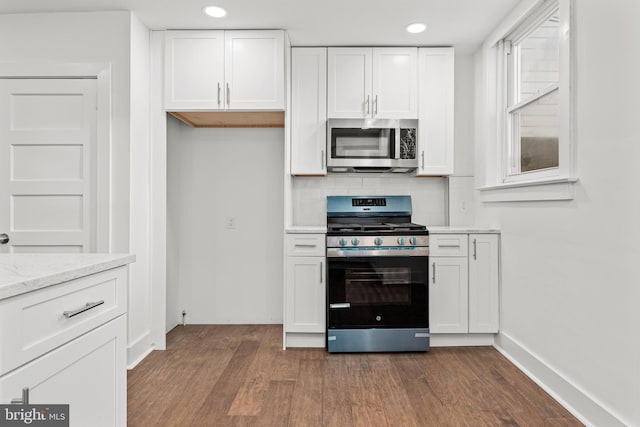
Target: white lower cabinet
{"type": "Point", "coordinates": [464, 283]}
{"type": "Point", "coordinates": [449, 295]}
{"type": "Point", "coordinates": [305, 290]}
{"type": "Point", "coordinates": [89, 374]}
{"type": "Point", "coordinates": [484, 267]}
{"type": "Point", "coordinates": [67, 344]}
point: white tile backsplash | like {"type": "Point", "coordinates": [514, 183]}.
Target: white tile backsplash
{"type": "Point", "coordinates": [309, 195]}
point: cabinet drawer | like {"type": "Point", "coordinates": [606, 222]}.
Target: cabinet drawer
{"type": "Point", "coordinates": [306, 245]}
{"type": "Point", "coordinates": [34, 323]}
{"type": "Point", "coordinates": [448, 245]}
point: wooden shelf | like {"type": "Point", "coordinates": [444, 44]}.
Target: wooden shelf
{"type": "Point", "coordinates": [231, 119]}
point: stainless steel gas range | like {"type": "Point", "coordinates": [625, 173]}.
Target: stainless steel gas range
{"type": "Point", "coordinates": [377, 275]}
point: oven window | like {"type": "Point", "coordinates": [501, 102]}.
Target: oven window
{"type": "Point", "coordinates": [382, 286]}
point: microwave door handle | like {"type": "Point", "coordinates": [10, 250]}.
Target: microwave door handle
{"type": "Point", "coordinates": [396, 147]}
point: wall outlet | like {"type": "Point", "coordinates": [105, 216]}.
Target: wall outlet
{"type": "Point", "coordinates": [231, 222]}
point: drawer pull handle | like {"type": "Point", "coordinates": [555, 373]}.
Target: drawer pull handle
{"type": "Point", "coordinates": [306, 245]}
{"type": "Point", "coordinates": [88, 306]}
{"type": "Point", "coordinates": [448, 246]}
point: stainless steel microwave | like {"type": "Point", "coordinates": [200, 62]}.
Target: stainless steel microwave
{"type": "Point", "coordinates": [357, 145]}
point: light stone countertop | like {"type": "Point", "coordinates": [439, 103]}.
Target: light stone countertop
{"type": "Point", "coordinates": [22, 273]}
{"type": "Point", "coordinates": [306, 229]}
{"type": "Point", "coordinates": [444, 229]}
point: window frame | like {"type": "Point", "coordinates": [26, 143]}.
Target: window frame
{"type": "Point", "coordinates": [556, 182]}
{"type": "Point", "coordinates": [512, 54]}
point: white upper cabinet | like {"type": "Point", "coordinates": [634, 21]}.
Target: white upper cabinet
{"type": "Point", "coordinates": [308, 111]}
{"type": "Point", "coordinates": [372, 83]}
{"type": "Point", "coordinates": [349, 82]}
{"type": "Point", "coordinates": [435, 124]}
{"type": "Point", "coordinates": [254, 70]}
{"type": "Point", "coordinates": [395, 83]}
{"type": "Point", "coordinates": [218, 70]}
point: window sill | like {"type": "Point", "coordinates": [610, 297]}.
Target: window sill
{"type": "Point", "coordinates": [529, 191]}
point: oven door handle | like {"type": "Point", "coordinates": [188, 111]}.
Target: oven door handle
{"type": "Point", "coordinates": [340, 305]}
{"type": "Point", "coordinates": [422, 251]}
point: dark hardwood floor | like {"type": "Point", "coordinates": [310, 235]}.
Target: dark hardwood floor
{"type": "Point", "coordinates": [238, 375]}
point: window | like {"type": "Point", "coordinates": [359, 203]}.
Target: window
{"type": "Point", "coordinates": [531, 64]}
{"type": "Point", "coordinates": [533, 68]}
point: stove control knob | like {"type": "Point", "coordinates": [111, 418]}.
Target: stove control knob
{"type": "Point", "coordinates": [401, 241]}
{"type": "Point", "coordinates": [355, 241]}
{"type": "Point", "coordinates": [378, 241]}
{"type": "Point", "coordinates": [413, 241]}
{"type": "Point", "coordinates": [343, 242]}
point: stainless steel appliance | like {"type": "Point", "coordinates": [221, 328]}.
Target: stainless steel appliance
{"type": "Point", "coordinates": [357, 145]}
{"type": "Point", "coordinates": [377, 275]}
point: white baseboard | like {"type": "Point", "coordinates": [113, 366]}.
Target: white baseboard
{"type": "Point", "coordinates": [583, 406]}
{"type": "Point", "coordinates": [460, 340]}
{"type": "Point", "coordinates": [139, 349]}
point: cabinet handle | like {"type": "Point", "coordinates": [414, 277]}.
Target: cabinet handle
{"type": "Point", "coordinates": [88, 306]}
{"type": "Point", "coordinates": [321, 267]}
{"type": "Point", "coordinates": [475, 250]}
{"type": "Point", "coordinates": [422, 157]}
{"type": "Point", "coordinates": [375, 105]}
{"type": "Point", "coordinates": [434, 272]}
{"type": "Point", "coordinates": [368, 104]}
{"type": "Point", "coordinates": [450, 245]}
{"type": "Point", "coordinates": [322, 159]}
{"type": "Point", "coordinates": [24, 400]}
{"type": "Point", "coordinates": [228, 95]}
{"type": "Point", "coordinates": [218, 94]}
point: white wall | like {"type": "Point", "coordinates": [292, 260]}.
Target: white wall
{"type": "Point", "coordinates": [570, 269]}
{"type": "Point", "coordinates": [222, 275]}
{"type": "Point", "coordinates": [140, 293]}
{"type": "Point", "coordinates": [309, 195]}
{"type": "Point", "coordinates": [110, 38]}
{"type": "Point", "coordinates": [461, 184]}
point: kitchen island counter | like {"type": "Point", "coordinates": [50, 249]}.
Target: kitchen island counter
{"type": "Point", "coordinates": [22, 273]}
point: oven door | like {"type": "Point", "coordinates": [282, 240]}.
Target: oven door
{"type": "Point", "coordinates": [377, 292]}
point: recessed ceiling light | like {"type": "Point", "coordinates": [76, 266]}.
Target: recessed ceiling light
{"type": "Point", "coordinates": [215, 11]}
{"type": "Point", "coordinates": [418, 27]}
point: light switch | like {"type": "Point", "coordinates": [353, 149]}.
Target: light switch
{"type": "Point", "coordinates": [231, 222]}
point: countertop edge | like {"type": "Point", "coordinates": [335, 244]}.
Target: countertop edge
{"type": "Point", "coordinates": [46, 279]}
{"type": "Point", "coordinates": [305, 229]}
{"type": "Point", "coordinates": [441, 229]}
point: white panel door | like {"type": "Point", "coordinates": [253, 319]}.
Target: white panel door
{"type": "Point", "coordinates": [484, 283]}
{"type": "Point", "coordinates": [254, 70]}
{"type": "Point", "coordinates": [308, 111]}
{"type": "Point", "coordinates": [349, 83]}
{"type": "Point", "coordinates": [395, 83]}
{"type": "Point", "coordinates": [47, 165]}
{"type": "Point", "coordinates": [194, 70]}
{"type": "Point", "coordinates": [448, 295]}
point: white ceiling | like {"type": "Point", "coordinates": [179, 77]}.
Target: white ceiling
{"type": "Point", "coordinates": [460, 23]}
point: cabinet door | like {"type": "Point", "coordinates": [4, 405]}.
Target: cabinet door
{"type": "Point", "coordinates": [308, 111]}
{"type": "Point", "coordinates": [448, 295]}
{"type": "Point", "coordinates": [305, 294]}
{"type": "Point", "coordinates": [88, 373]}
{"type": "Point", "coordinates": [484, 283]}
{"type": "Point", "coordinates": [349, 87]}
{"type": "Point", "coordinates": [435, 126]}
{"type": "Point", "coordinates": [254, 70]}
{"type": "Point", "coordinates": [194, 70]}
{"type": "Point", "coordinates": [395, 83]}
